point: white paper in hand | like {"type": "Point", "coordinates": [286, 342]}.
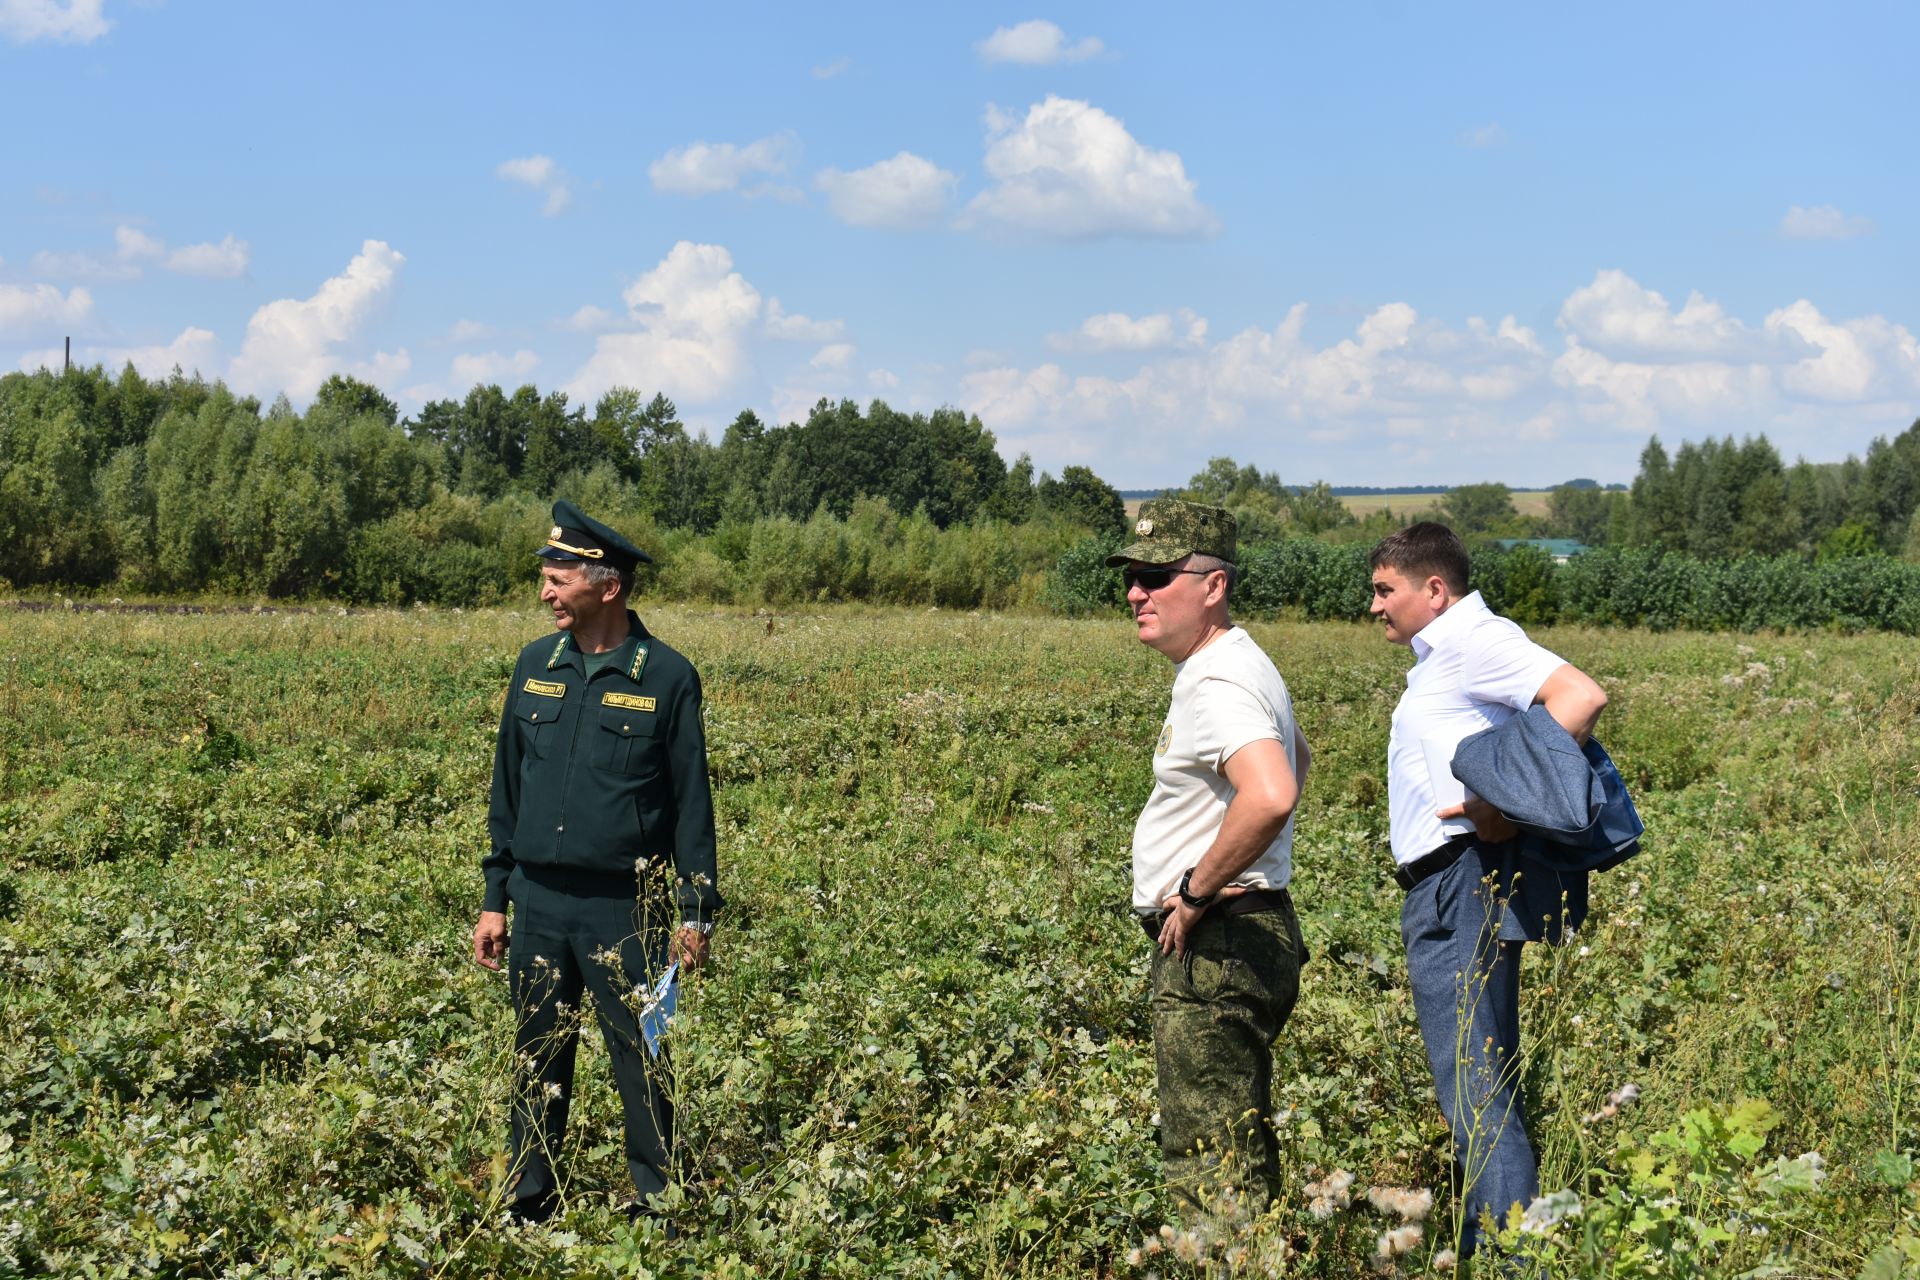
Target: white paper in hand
{"type": "Point", "coordinates": [659, 1007]}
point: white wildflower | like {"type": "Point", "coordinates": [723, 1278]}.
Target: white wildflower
{"type": "Point", "coordinates": [1549, 1211]}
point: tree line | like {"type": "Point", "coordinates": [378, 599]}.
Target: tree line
{"type": "Point", "coordinates": [177, 485]}
{"type": "Point", "coordinates": [1710, 500]}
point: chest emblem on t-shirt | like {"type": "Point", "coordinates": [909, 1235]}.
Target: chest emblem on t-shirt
{"type": "Point", "coordinates": [1166, 739]}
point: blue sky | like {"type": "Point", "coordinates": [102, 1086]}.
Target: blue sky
{"type": "Point", "coordinates": [1378, 243]}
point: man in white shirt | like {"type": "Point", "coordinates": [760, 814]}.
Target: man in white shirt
{"type": "Point", "coordinates": [1212, 854]}
{"type": "Point", "coordinates": [1471, 899]}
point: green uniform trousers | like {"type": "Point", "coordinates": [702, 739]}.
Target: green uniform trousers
{"type": "Point", "coordinates": [1216, 1014]}
{"type": "Point", "coordinates": [575, 931]}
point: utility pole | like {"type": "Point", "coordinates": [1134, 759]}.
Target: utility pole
{"type": "Point", "coordinates": [69, 368]}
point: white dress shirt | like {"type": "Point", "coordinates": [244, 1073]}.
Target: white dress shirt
{"type": "Point", "coordinates": [1473, 670]}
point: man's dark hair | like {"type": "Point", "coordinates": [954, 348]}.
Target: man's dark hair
{"type": "Point", "coordinates": [1422, 551]}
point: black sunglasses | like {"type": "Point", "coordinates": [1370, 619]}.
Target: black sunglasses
{"type": "Point", "coordinates": [1154, 579]}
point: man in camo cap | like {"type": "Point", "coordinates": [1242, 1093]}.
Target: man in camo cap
{"type": "Point", "coordinates": [1212, 855]}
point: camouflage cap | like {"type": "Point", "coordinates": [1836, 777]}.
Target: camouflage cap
{"type": "Point", "coordinates": [578, 536]}
{"type": "Point", "coordinates": [1169, 529]}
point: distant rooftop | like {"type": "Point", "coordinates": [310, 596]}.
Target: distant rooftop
{"type": "Point", "coordinates": [1561, 549]}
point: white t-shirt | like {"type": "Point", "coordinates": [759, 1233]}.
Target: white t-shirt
{"type": "Point", "coordinates": [1224, 697]}
{"type": "Point", "coordinates": [1474, 670]}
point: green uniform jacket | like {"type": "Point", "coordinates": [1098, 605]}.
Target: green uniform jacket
{"type": "Point", "coordinates": [600, 775]}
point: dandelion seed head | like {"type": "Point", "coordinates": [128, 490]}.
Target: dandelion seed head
{"type": "Point", "coordinates": [1398, 1240]}
{"type": "Point", "coordinates": [1409, 1204]}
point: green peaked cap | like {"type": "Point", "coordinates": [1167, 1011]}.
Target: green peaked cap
{"type": "Point", "coordinates": [578, 536]}
{"type": "Point", "coordinates": [1169, 529]}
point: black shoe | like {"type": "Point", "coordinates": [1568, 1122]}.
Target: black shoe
{"type": "Point", "coordinates": [533, 1210]}
{"type": "Point", "coordinates": [638, 1210]}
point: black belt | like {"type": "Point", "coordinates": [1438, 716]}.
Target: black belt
{"type": "Point", "coordinates": [1432, 864]}
{"type": "Point", "coordinates": [1240, 904]}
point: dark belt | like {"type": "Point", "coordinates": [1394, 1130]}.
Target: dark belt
{"type": "Point", "coordinates": [1249, 903]}
{"type": "Point", "coordinates": [1432, 864]}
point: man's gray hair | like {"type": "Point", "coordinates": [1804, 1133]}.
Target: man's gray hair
{"type": "Point", "coordinates": [599, 575]}
{"type": "Point", "coordinates": [1210, 563]}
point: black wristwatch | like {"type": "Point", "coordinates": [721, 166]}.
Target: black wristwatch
{"type": "Point", "coordinates": [1198, 904]}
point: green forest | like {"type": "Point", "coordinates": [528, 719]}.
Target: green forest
{"type": "Point", "coordinates": [178, 487]}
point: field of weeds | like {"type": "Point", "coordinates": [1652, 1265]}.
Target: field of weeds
{"type": "Point", "coordinates": [242, 1035]}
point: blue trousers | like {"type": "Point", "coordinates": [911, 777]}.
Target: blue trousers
{"type": "Point", "coordinates": [1466, 992]}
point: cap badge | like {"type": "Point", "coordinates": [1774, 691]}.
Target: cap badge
{"type": "Point", "coordinates": [555, 532]}
{"type": "Point", "coordinates": [1144, 528]}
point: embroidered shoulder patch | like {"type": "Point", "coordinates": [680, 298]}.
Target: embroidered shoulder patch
{"type": "Point", "coordinates": [1166, 739]}
{"type": "Point", "coordinates": [545, 688]}
{"type": "Point", "coordinates": [631, 701]}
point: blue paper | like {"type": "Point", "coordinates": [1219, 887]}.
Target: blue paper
{"type": "Point", "coordinates": [659, 1008]}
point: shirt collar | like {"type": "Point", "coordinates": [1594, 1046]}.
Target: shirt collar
{"type": "Point", "coordinates": [1462, 614]}
{"type": "Point", "coordinates": [567, 653]}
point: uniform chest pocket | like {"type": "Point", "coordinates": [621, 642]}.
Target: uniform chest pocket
{"type": "Point", "coordinates": [628, 742]}
{"type": "Point", "coordinates": [539, 720]}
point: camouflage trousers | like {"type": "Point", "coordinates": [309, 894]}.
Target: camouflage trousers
{"type": "Point", "coordinates": [1216, 1014]}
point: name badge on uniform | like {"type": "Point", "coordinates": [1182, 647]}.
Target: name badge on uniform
{"type": "Point", "coordinates": [631, 701]}
{"type": "Point", "coordinates": [545, 688]}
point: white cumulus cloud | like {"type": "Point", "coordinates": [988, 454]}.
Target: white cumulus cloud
{"type": "Point", "coordinates": [1037, 43]}
{"type": "Point", "coordinates": [793, 327]}
{"type": "Point", "coordinates": [470, 369]}
{"type": "Point", "coordinates": [836, 355]}
{"type": "Point", "coordinates": [1618, 314]}
{"type": "Point", "coordinates": [1824, 222]}
{"type": "Point", "coordinates": [540, 174]}
{"type": "Point", "coordinates": [30, 310]}
{"type": "Point", "coordinates": [828, 70]}
{"type": "Point", "coordinates": [590, 319]}
{"type": "Point", "coordinates": [134, 244]}
{"type": "Point", "coordinates": [1070, 170]}
{"type": "Point", "coordinates": [194, 351]}
{"type": "Point", "coordinates": [223, 261]}
{"type": "Point", "coordinates": [691, 315]}
{"type": "Point", "coordinates": [57, 265]}
{"type": "Point", "coordinates": [705, 168]}
{"type": "Point", "coordinates": [134, 249]}
{"type": "Point", "coordinates": [71, 22]}
{"type": "Point", "coordinates": [292, 345]}
{"type": "Point", "coordinates": [900, 193]}
{"type": "Point", "coordinates": [1416, 395]}
{"type": "Point", "coordinates": [1117, 331]}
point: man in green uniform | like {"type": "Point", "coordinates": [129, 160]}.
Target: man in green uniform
{"type": "Point", "coordinates": [599, 779]}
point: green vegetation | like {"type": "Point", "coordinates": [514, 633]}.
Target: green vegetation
{"type": "Point", "coordinates": [1324, 580]}
{"type": "Point", "coordinates": [178, 487]}
{"type": "Point", "coordinates": [239, 871]}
